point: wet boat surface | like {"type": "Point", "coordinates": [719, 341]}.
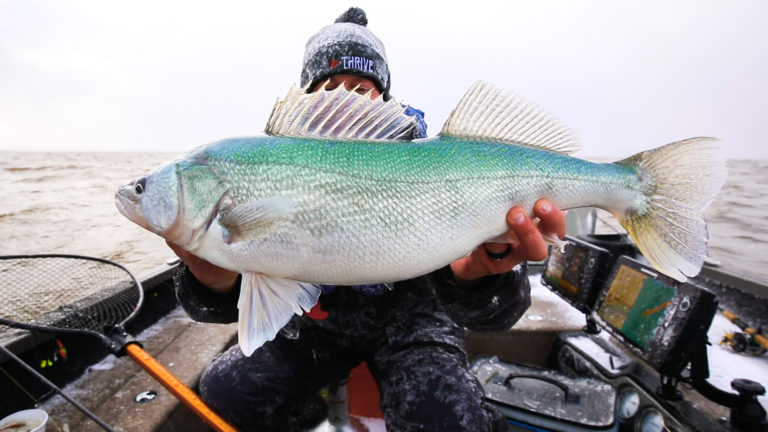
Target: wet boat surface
{"type": "Point", "coordinates": [126, 398]}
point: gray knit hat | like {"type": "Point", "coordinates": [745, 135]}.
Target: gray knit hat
{"type": "Point", "coordinates": [347, 47]}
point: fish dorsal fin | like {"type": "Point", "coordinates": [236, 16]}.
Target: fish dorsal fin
{"type": "Point", "coordinates": [489, 113]}
{"type": "Point", "coordinates": [339, 114]}
{"type": "Point", "coordinates": [266, 304]}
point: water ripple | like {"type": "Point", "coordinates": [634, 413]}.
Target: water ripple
{"type": "Point", "coordinates": [63, 202]}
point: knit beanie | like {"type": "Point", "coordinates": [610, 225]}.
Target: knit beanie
{"type": "Point", "coordinates": [346, 47]}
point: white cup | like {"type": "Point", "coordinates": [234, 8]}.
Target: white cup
{"type": "Point", "coordinates": [31, 420]}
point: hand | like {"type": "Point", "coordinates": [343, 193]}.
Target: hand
{"type": "Point", "coordinates": [214, 277]}
{"type": "Point", "coordinates": [525, 240]}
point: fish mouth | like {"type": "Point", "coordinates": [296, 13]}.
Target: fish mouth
{"type": "Point", "coordinates": [128, 205]}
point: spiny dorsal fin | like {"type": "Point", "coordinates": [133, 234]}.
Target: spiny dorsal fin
{"type": "Point", "coordinates": [491, 114]}
{"type": "Point", "coordinates": [339, 114]}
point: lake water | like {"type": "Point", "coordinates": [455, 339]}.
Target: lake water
{"type": "Point", "coordinates": [64, 203]}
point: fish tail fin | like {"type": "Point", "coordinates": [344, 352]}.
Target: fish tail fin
{"type": "Point", "coordinates": [678, 182]}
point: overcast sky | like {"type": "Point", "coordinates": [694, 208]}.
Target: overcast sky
{"type": "Point", "coordinates": [168, 76]}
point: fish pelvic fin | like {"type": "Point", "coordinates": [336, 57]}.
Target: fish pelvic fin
{"type": "Point", "coordinates": [339, 114]}
{"type": "Point", "coordinates": [678, 181]}
{"type": "Point", "coordinates": [266, 304]}
{"type": "Point", "coordinates": [488, 113]}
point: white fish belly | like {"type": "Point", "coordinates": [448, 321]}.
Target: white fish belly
{"type": "Point", "coordinates": [384, 233]}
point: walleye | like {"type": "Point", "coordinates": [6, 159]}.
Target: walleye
{"type": "Point", "coordinates": [323, 199]}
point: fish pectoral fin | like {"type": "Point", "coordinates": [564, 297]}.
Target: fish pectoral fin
{"type": "Point", "coordinates": [266, 304]}
{"type": "Point", "coordinates": [251, 219]}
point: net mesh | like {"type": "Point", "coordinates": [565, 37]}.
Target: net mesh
{"type": "Point", "coordinates": [65, 292]}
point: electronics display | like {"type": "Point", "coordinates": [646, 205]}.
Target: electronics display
{"type": "Point", "coordinates": [577, 274]}
{"type": "Point", "coordinates": [657, 317]}
{"type": "Point", "coordinates": [636, 305]}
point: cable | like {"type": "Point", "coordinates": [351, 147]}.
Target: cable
{"type": "Point", "coordinates": [57, 389]}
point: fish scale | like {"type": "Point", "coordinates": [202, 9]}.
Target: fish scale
{"type": "Point", "coordinates": [290, 211]}
{"type": "Point", "coordinates": [355, 200]}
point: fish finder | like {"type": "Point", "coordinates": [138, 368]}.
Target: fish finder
{"type": "Point", "coordinates": [577, 273]}
{"type": "Point", "coordinates": [658, 318]}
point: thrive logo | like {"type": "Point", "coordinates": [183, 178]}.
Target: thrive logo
{"type": "Point", "coordinates": [354, 62]}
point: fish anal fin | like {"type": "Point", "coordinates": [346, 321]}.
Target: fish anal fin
{"type": "Point", "coordinates": [266, 304]}
{"type": "Point", "coordinates": [554, 240]}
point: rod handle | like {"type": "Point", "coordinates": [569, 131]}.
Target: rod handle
{"type": "Point", "coordinates": [177, 388]}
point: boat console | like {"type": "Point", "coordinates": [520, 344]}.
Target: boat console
{"type": "Point", "coordinates": [645, 334]}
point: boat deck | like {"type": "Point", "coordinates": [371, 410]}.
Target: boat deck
{"type": "Point", "coordinates": [110, 388]}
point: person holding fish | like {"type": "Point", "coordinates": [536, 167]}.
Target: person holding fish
{"type": "Point", "coordinates": [409, 332]}
{"type": "Point", "coordinates": [392, 247]}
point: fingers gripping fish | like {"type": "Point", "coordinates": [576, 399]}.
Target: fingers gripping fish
{"type": "Point", "coordinates": [323, 199]}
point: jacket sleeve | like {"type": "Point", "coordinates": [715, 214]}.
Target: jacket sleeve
{"type": "Point", "coordinates": [494, 303]}
{"type": "Point", "coordinates": [420, 129]}
{"type": "Point", "coordinates": [203, 304]}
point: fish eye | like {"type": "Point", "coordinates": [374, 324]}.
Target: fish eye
{"type": "Point", "coordinates": [141, 184]}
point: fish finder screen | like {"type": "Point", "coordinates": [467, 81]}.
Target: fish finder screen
{"type": "Point", "coordinates": [577, 273]}
{"type": "Point", "coordinates": [564, 272]}
{"type": "Point", "coordinates": [636, 304]}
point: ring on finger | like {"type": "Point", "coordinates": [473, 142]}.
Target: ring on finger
{"type": "Point", "coordinates": [498, 256]}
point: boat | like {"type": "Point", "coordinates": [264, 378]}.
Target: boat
{"type": "Point", "coordinates": [609, 344]}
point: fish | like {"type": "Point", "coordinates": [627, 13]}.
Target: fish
{"type": "Point", "coordinates": [333, 194]}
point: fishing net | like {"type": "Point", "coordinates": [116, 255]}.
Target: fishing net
{"type": "Point", "coordinates": [70, 293]}
{"type": "Point", "coordinates": [65, 292]}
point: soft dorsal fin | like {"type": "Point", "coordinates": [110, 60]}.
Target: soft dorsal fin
{"type": "Point", "coordinates": [491, 114]}
{"type": "Point", "coordinates": [339, 114]}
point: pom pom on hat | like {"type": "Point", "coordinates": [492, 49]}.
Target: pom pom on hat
{"type": "Point", "coordinates": [346, 47]}
{"type": "Point", "coordinates": [353, 15]}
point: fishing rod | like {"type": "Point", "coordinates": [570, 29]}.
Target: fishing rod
{"type": "Point", "coordinates": [73, 294]}
{"type": "Point", "coordinates": [56, 388]}
{"type": "Point", "coordinates": [753, 333]}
